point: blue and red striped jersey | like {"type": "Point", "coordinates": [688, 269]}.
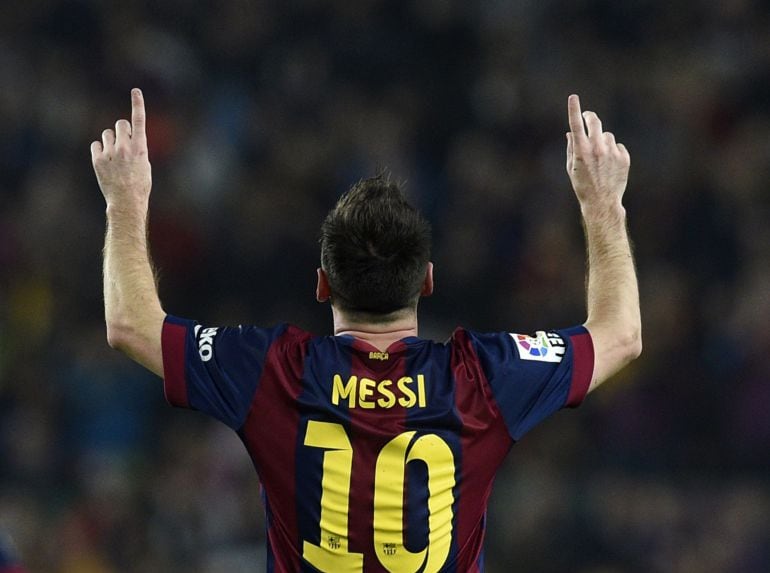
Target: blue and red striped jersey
{"type": "Point", "coordinates": [375, 460]}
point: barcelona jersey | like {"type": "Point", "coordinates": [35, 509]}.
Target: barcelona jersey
{"type": "Point", "coordinates": [371, 460]}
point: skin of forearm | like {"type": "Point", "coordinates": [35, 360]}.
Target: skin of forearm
{"type": "Point", "coordinates": [133, 311]}
{"type": "Point", "coordinates": [612, 291]}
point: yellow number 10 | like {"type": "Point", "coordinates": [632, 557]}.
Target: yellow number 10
{"type": "Point", "coordinates": [332, 553]}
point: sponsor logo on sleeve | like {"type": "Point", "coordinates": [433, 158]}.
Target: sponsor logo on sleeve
{"type": "Point", "coordinates": [205, 341]}
{"type": "Point", "coordinates": [542, 347]}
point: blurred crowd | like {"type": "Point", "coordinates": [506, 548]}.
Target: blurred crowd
{"type": "Point", "coordinates": [260, 113]}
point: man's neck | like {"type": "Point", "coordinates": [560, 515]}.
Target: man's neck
{"type": "Point", "coordinates": [379, 334]}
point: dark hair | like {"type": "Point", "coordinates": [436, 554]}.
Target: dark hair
{"type": "Point", "coordinates": [375, 249]}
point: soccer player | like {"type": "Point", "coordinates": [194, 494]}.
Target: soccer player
{"type": "Point", "coordinates": [376, 449]}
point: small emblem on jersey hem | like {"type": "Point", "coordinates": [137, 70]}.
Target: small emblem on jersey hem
{"type": "Point", "coordinates": [389, 548]}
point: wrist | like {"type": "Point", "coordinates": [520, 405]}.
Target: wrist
{"type": "Point", "coordinates": [130, 209]}
{"type": "Point", "coordinates": [603, 213]}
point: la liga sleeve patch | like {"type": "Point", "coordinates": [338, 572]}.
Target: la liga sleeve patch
{"type": "Point", "coordinates": [542, 347]}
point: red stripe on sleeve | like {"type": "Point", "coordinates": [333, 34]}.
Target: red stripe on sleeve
{"type": "Point", "coordinates": [582, 368]}
{"type": "Point", "coordinates": [484, 441]}
{"type": "Point", "coordinates": [173, 345]}
{"type": "Point", "coordinates": [271, 437]}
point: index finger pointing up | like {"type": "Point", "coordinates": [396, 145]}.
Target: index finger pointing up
{"type": "Point", "coordinates": [576, 125]}
{"type": "Point", "coordinates": [137, 115]}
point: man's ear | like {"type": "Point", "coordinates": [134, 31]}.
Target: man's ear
{"type": "Point", "coordinates": [427, 285]}
{"type": "Point", "coordinates": [322, 292]}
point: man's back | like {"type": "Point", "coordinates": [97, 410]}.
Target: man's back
{"type": "Point", "coordinates": [375, 460]}
{"type": "Point", "coordinates": [393, 471]}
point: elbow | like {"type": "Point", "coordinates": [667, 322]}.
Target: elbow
{"type": "Point", "coordinates": [118, 335]}
{"type": "Point", "coordinates": [620, 344]}
{"type": "Point", "coordinates": [632, 343]}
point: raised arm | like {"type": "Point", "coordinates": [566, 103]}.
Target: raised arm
{"type": "Point", "coordinates": [132, 309]}
{"type": "Point", "coordinates": [598, 169]}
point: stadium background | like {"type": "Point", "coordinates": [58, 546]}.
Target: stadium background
{"type": "Point", "coordinates": [260, 114]}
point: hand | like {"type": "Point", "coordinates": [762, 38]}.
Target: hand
{"type": "Point", "coordinates": [596, 164]}
{"type": "Point", "coordinates": [120, 160]}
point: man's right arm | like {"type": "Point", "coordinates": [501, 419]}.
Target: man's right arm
{"type": "Point", "coordinates": [132, 309]}
{"type": "Point", "coordinates": [598, 169]}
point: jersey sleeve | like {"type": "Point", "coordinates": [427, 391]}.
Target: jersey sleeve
{"type": "Point", "coordinates": [214, 370]}
{"type": "Point", "coordinates": [531, 377]}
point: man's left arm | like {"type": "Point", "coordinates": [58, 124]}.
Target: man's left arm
{"type": "Point", "coordinates": [132, 309]}
{"type": "Point", "coordinates": [598, 168]}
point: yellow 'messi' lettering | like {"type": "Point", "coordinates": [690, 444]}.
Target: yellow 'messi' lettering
{"type": "Point", "coordinates": [368, 394]}
{"type": "Point", "coordinates": [347, 391]}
